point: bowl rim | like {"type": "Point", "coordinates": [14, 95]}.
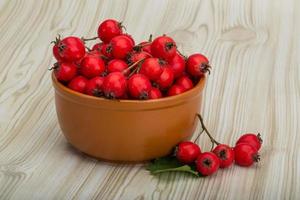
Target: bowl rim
{"type": "Point", "coordinates": [71, 95]}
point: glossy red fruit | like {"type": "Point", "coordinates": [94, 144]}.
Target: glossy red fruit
{"type": "Point", "coordinates": [114, 85]}
{"type": "Point", "coordinates": [129, 37]}
{"type": "Point", "coordinates": [197, 65]}
{"type": "Point", "coordinates": [109, 29]}
{"type": "Point", "coordinates": [245, 154]}
{"type": "Point", "coordinates": [163, 47]}
{"type": "Point", "coordinates": [139, 86]}
{"type": "Point", "coordinates": [252, 139]}
{"type": "Point", "coordinates": [116, 65]}
{"type": "Point", "coordinates": [69, 49]}
{"type": "Point", "coordinates": [135, 56]}
{"type": "Point", "coordinates": [207, 163]}
{"type": "Point", "coordinates": [166, 78]}
{"type": "Point", "coordinates": [145, 46]}
{"type": "Point", "coordinates": [97, 47]}
{"type": "Point", "coordinates": [106, 50]}
{"type": "Point", "coordinates": [155, 93]}
{"type": "Point", "coordinates": [187, 152]}
{"type": "Point", "coordinates": [185, 82]}
{"type": "Point", "coordinates": [92, 66]}
{"type": "Point", "coordinates": [177, 64]}
{"type": "Point", "coordinates": [152, 68]}
{"type": "Point", "coordinates": [226, 155]}
{"type": "Point", "coordinates": [120, 46]}
{"type": "Point", "coordinates": [56, 53]}
{"type": "Point", "coordinates": [94, 86]}
{"type": "Point", "coordinates": [78, 84]}
{"type": "Point", "coordinates": [64, 71]}
{"type": "Point", "coordinates": [175, 90]}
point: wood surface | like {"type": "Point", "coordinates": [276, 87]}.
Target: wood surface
{"type": "Point", "coordinates": [254, 48]}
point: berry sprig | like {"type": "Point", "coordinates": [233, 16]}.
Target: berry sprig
{"type": "Point", "coordinates": [188, 157]}
{"type": "Point", "coordinates": [118, 68]}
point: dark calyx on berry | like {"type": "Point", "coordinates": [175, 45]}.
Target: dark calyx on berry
{"type": "Point", "coordinates": [144, 95]}
{"type": "Point", "coordinates": [110, 95]}
{"type": "Point", "coordinates": [207, 162]}
{"type": "Point", "coordinates": [256, 158]}
{"type": "Point", "coordinates": [170, 45]}
{"type": "Point", "coordinates": [97, 92]}
{"type": "Point", "coordinates": [259, 138]}
{"type": "Point", "coordinates": [205, 67]}
{"type": "Point", "coordinates": [223, 154]}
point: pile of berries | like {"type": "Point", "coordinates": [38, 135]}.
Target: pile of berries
{"type": "Point", "coordinates": [117, 68]}
{"type": "Point", "coordinates": [244, 153]}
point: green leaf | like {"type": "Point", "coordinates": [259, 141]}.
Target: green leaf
{"type": "Point", "coordinates": [168, 164]}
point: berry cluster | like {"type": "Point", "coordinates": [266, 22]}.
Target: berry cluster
{"type": "Point", "coordinates": [117, 68]}
{"type": "Point", "coordinates": [244, 153]}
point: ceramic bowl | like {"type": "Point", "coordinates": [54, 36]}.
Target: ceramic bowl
{"type": "Point", "coordinates": [126, 130]}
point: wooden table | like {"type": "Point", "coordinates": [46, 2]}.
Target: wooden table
{"type": "Point", "coordinates": [254, 47]}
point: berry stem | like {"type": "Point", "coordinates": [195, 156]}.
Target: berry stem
{"type": "Point", "coordinates": [150, 38]}
{"type": "Point", "coordinates": [213, 141]}
{"type": "Point", "coordinates": [132, 66]}
{"type": "Point", "coordinates": [88, 49]}
{"type": "Point", "coordinates": [88, 39]}
{"type": "Point", "coordinates": [199, 134]}
{"type": "Point", "coordinates": [185, 58]}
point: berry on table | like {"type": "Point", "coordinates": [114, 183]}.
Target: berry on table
{"type": "Point", "coordinates": [226, 155]}
{"type": "Point", "coordinates": [207, 163]}
{"type": "Point", "coordinates": [252, 139]}
{"type": "Point", "coordinates": [187, 152]}
{"type": "Point", "coordinates": [245, 154]}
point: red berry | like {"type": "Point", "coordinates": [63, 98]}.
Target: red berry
{"type": "Point", "coordinates": [139, 86]}
{"type": "Point", "coordinates": [120, 46]}
{"type": "Point", "coordinates": [78, 84]}
{"type": "Point", "coordinates": [56, 53]}
{"type": "Point", "coordinates": [185, 82]}
{"type": "Point", "coordinates": [69, 49]}
{"type": "Point", "coordinates": [252, 139]}
{"type": "Point", "coordinates": [207, 163]}
{"type": "Point", "coordinates": [97, 47]}
{"type": "Point", "coordinates": [163, 47]}
{"type": "Point", "coordinates": [175, 90]}
{"type": "Point", "coordinates": [187, 152]}
{"type": "Point", "coordinates": [245, 154]}
{"type": "Point", "coordinates": [129, 37]}
{"type": "Point", "coordinates": [155, 93]}
{"type": "Point", "coordinates": [137, 56]}
{"type": "Point", "coordinates": [177, 64]}
{"type": "Point", "coordinates": [225, 153]}
{"type": "Point", "coordinates": [109, 29]}
{"type": "Point", "coordinates": [106, 50]}
{"type": "Point", "coordinates": [64, 71]}
{"type": "Point", "coordinates": [92, 66]}
{"type": "Point", "coordinates": [94, 86]}
{"type": "Point", "coordinates": [146, 46]}
{"type": "Point", "coordinates": [166, 78]}
{"type": "Point", "coordinates": [197, 65]}
{"type": "Point", "coordinates": [116, 65]}
{"type": "Point", "coordinates": [152, 68]}
{"type": "Point", "coordinates": [114, 85]}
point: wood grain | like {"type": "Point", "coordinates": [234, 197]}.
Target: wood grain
{"type": "Point", "coordinates": [254, 47]}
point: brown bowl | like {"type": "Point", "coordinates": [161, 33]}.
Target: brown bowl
{"type": "Point", "coordinates": [126, 130]}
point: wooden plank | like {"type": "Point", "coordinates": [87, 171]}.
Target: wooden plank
{"type": "Point", "coordinates": [254, 47]}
